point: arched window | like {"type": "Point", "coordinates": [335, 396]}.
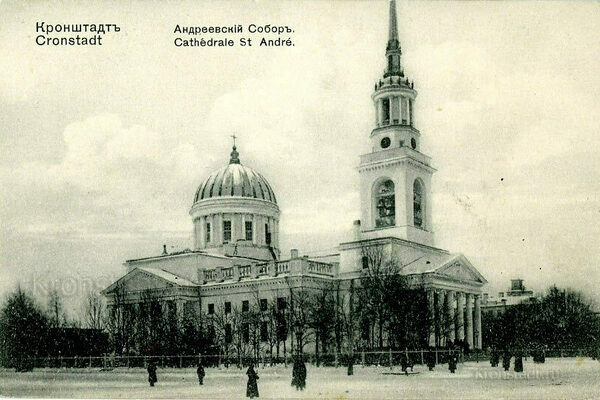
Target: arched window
{"type": "Point", "coordinates": [418, 208]}
{"type": "Point", "coordinates": [385, 204]}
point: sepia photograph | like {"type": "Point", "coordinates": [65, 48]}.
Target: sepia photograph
{"type": "Point", "coordinates": [332, 199]}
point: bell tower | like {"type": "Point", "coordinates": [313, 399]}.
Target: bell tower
{"type": "Point", "coordinates": [395, 177]}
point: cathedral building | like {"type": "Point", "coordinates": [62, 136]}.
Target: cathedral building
{"type": "Point", "coordinates": [236, 260]}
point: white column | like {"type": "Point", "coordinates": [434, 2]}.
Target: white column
{"type": "Point", "coordinates": [450, 304]}
{"type": "Point", "coordinates": [431, 311]}
{"type": "Point", "coordinates": [460, 316]}
{"type": "Point", "coordinates": [237, 228]}
{"type": "Point", "coordinates": [213, 229]}
{"type": "Point", "coordinates": [260, 234]}
{"type": "Point", "coordinates": [196, 234]}
{"type": "Point", "coordinates": [218, 240]}
{"type": "Point", "coordinates": [395, 106]}
{"type": "Point", "coordinates": [441, 296]}
{"type": "Point", "coordinates": [379, 112]}
{"type": "Point", "coordinates": [477, 323]}
{"type": "Point", "coordinates": [469, 319]}
{"type": "Point", "coordinates": [275, 235]}
{"type": "Point", "coordinates": [201, 232]}
{"type": "Point", "coordinates": [179, 309]}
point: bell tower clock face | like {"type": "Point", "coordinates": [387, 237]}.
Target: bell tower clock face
{"type": "Point", "coordinates": [385, 142]}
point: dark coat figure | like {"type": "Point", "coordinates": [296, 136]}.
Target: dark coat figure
{"type": "Point", "coordinates": [518, 361]}
{"type": "Point", "coordinates": [252, 388]}
{"type": "Point", "coordinates": [405, 363]}
{"type": "Point", "coordinates": [295, 374]}
{"type": "Point", "coordinates": [299, 374]}
{"type": "Point", "coordinates": [506, 360]}
{"type": "Point", "coordinates": [152, 373]}
{"type": "Point", "coordinates": [302, 375]}
{"type": "Point", "coordinates": [431, 360]}
{"type": "Point", "coordinates": [494, 358]}
{"type": "Point", "coordinates": [350, 366]}
{"type": "Point", "coordinates": [201, 373]}
{"type": "Point", "coordinates": [539, 356]}
{"type": "Point", "coordinates": [452, 361]}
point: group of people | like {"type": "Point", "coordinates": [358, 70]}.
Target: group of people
{"type": "Point", "coordinates": [298, 376]}
{"type": "Point", "coordinates": [506, 357]}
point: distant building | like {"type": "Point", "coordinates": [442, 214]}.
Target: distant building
{"type": "Point", "coordinates": [517, 294]}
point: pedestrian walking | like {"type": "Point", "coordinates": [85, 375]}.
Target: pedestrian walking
{"type": "Point", "coordinates": [431, 360]}
{"type": "Point", "coordinates": [452, 361]}
{"type": "Point", "coordinates": [519, 361]}
{"type": "Point", "coordinates": [299, 374]}
{"type": "Point", "coordinates": [350, 365]}
{"type": "Point", "coordinates": [302, 375]}
{"type": "Point", "coordinates": [152, 373]}
{"type": "Point", "coordinates": [201, 373]}
{"type": "Point", "coordinates": [252, 388]}
{"type": "Point", "coordinates": [506, 360]}
{"type": "Point", "coordinates": [295, 368]}
{"type": "Point", "coordinates": [494, 357]}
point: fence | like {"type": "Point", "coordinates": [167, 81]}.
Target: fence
{"type": "Point", "coordinates": [387, 358]}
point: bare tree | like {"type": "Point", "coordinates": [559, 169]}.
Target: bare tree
{"type": "Point", "coordinates": [94, 312]}
{"type": "Point", "coordinates": [55, 309]}
{"type": "Point", "coordinates": [119, 323]}
{"type": "Point", "coordinates": [321, 310]}
{"type": "Point", "coordinates": [300, 318]}
{"type": "Point", "coordinates": [391, 309]}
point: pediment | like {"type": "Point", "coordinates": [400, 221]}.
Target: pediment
{"type": "Point", "coordinates": [460, 268]}
{"type": "Point", "coordinates": [137, 280]}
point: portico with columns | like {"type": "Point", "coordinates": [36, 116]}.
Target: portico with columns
{"type": "Point", "coordinates": [458, 320]}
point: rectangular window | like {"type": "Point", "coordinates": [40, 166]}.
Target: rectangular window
{"type": "Point", "coordinates": [207, 232]}
{"type": "Point", "coordinates": [228, 335]}
{"type": "Point", "coordinates": [227, 307]}
{"type": "Point", "coordinates": [264, 331]}
{"type": "Point", "coordinates": [385, 105]}
{"type": "Point", "coordinates": [395, 109]}
{"type": "Point", "coordinates": [263, 304]}
{"type": "Point", "coordinates": [211, 309]}
{"type": "Point", "coordinates": [245, 305]}
{"type": "Point", "coordinates": [246, 332]}
{"type": "Point", "coordinates": [248, 230]}
{"type": "Point", "coordinates": [365, 262]}
{"type": "Point", "coordinates": [410, 112]}
{"type": "Point", "coordinates": [404, 103]}
{"type": "Point", "coordinates": [267, 234]}
{"type": "Point", "coordinates": [281, 303]}
{"type": "Point", "coordinates": [226, 231]}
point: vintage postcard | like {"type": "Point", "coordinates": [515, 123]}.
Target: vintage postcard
{"type": "Point", "coordinates": [303, 199]}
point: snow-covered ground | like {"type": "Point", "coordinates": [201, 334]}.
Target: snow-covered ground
{"type": "Point", "coordinates": [557, 378]}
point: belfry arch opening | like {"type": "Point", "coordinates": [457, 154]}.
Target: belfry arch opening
{"type": "Point", "coordinates": [385, 204]}
{"type": "Point", "coordinates": [418, 203]}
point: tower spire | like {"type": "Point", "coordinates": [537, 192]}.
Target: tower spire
{"type": "Point", "coordinates": [393, 50]}
{"type": "Point", "coordinates": [393, 42]}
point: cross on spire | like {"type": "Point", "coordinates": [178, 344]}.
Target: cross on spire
{"type": "Point", "coordinates": [234, 154]}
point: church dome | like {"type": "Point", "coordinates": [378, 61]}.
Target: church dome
{"type": "Point", "coordinates": [235, 180]}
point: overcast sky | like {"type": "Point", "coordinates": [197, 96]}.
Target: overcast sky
{"type": "Point", "coordinates": [102, 148]}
